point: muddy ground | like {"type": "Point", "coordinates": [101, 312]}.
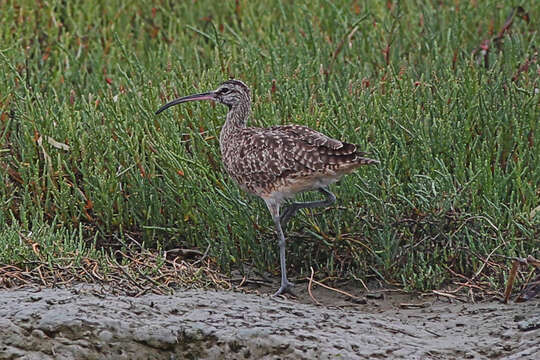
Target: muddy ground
{"type": "Point", "coordinates": [84, 322]}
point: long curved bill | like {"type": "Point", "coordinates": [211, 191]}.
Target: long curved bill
{"type": "Point", "coordinates": [204, 96]}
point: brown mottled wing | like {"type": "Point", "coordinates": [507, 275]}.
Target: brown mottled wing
{"type": "Point", "coordinates": [332, 150]}
{"type": "Point", "coordinates": [308, 135]}
{"type": "Point", "coordinates": [260, 156]}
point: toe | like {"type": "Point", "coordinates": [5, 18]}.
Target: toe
{"type": "Point", "coordinates": [285, 288]}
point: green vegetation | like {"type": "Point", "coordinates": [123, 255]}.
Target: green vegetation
{"type": "Point", "coordinates": [87, 166]}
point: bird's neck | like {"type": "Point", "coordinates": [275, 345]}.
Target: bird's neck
{"type": "Point", "coordinates": [238, 115]}
{"type": "Point", "coordinates": [236, 120]}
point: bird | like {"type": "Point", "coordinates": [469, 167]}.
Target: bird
{"type": "Point", "coordinates": [277, 162]}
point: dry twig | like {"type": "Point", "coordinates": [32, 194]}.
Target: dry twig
{"type": "Point", "coordinates": [309, 288]}
{"type": "Point", "coordinates": [145, 271]}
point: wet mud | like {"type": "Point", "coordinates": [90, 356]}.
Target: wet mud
{"type": "Point", "coordinates": [79, 323]}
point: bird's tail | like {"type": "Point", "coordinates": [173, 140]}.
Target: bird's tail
{"type": "Point", "coordinates": [363, 160]}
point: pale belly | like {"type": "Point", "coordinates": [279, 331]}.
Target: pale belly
{"type": "Point", "coordinates": [290, 187]}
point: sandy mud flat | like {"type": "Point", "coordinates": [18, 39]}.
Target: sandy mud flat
{"type": "Point", "coordinates": [77, 323]}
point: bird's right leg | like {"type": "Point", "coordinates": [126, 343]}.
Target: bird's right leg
{"type": "Point", "coordinates": [286, 286]}
{"type": "Point", "coordinates": [293, 208]}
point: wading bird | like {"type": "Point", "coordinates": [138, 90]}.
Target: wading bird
{"type": "Point", "coordinates": [278, 162]}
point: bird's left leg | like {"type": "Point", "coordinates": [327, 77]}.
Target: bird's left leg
{"type": "Point", "coordinates": [292, 209]}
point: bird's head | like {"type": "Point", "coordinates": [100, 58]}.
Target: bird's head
{"type": "Point", "coordinates": [231, 93]}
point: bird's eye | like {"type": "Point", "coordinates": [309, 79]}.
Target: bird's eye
{"type": "Point", "coordinates": [225, 90]}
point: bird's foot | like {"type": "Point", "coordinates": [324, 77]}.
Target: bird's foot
{"type": "Point", "coordinates": [286, 287]}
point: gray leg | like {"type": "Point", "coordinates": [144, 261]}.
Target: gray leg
{"type": "Point", "coordinates": [286, 286]}
{"type": "Point", "coordinates": [294, 207]}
